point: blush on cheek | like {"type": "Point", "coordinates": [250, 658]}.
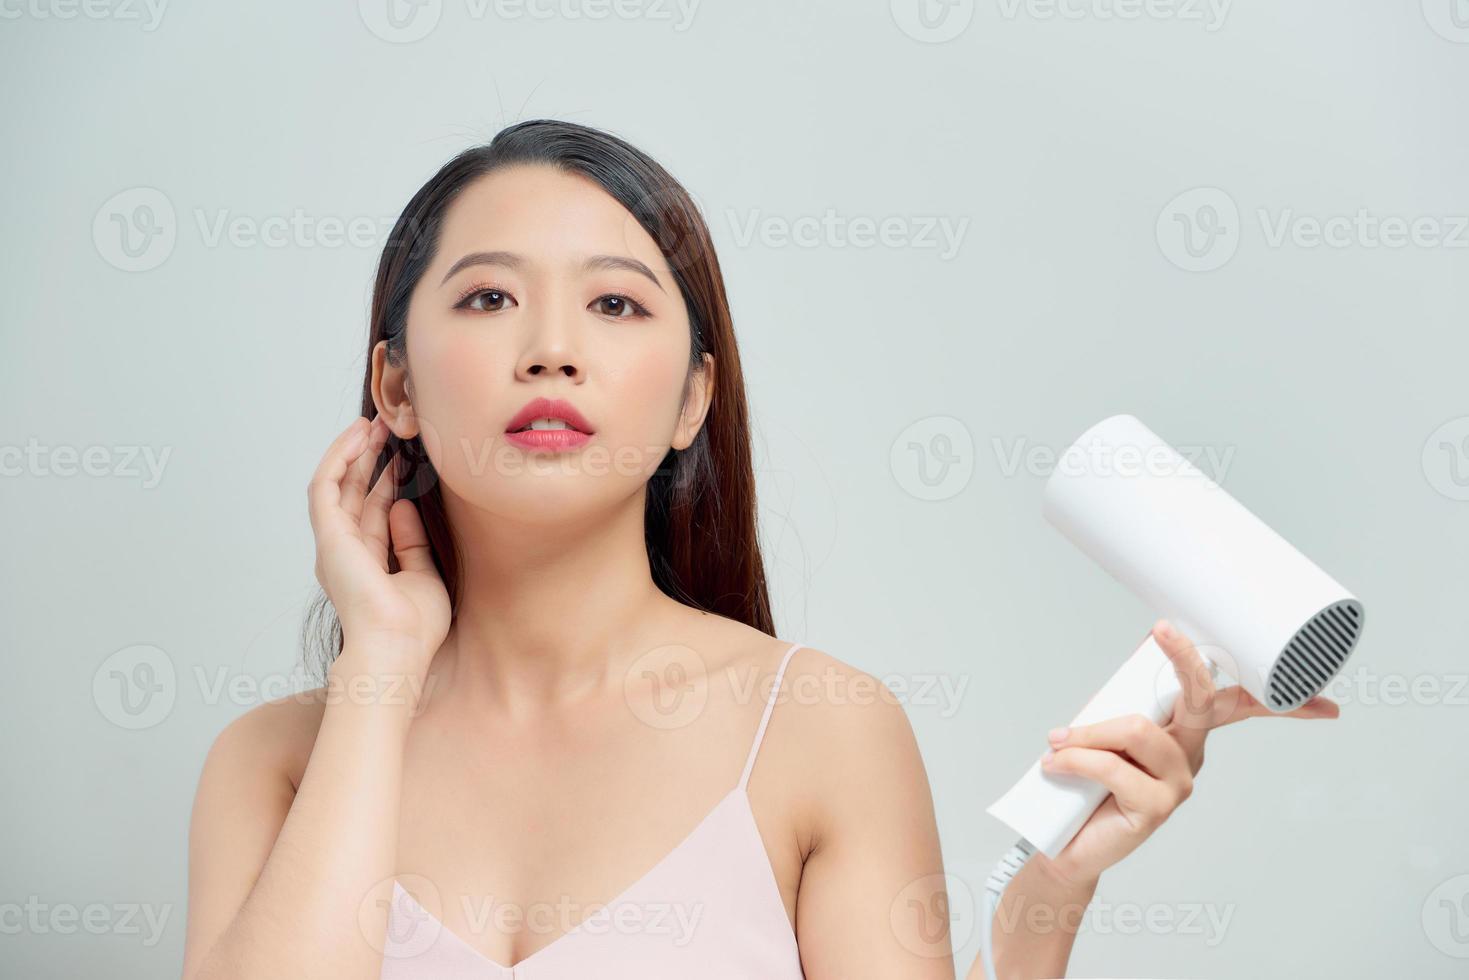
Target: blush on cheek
{"type": "Point", "coordinates": [470, 373]}
{"type": "Point", "coordinates": [654, 390]}
{"type": "Point", "coordinates": [463, 393]}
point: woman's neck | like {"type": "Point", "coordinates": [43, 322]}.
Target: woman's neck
{"type": "Point", "coordinates": [551, 613]}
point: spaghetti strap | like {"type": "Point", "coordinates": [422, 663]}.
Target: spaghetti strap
{"type": "Point", "coordinates": [722, 864]}
{"type": "Point", "coordinates": [765, 718]}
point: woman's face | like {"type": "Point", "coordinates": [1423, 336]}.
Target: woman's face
{"type": "Point", "coordinates": [543, 286]}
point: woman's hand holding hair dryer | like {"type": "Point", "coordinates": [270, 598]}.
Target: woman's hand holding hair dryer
{"type": "Point", "coordinates": [1148, 768]}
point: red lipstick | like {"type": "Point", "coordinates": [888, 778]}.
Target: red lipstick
{"type": "Point", "coordinates": [566, 429]}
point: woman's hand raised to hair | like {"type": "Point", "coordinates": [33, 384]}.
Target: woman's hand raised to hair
{"type": "Point", "coordinates": [1149, 768]}
{"type": "Point", "coordinates": [404, 615]}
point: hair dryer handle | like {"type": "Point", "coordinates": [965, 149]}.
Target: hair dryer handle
{"type": "Point", "coordinates": [1048, 809]}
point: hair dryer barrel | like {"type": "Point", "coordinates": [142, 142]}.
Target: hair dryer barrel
{"type": "Point", "coordinates": [1255, 606]}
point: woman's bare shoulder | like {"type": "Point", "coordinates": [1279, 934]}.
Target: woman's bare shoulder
{"type": "Point", "coordinates": [845, 712]}
{"type": "Point", "coordinates": [275, 737]}
{"type": "Point", "coordinates": [847, 742]}
{"type": "Point", "coordinates": [819, 692]}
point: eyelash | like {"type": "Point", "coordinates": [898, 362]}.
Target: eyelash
{"type": "Point", "coordinates": [640, 309]}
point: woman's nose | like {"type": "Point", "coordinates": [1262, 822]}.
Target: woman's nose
{"type": "Point", "coordinates": [552, 346]}
{"type": "Point", "coordinates": [569, 369]}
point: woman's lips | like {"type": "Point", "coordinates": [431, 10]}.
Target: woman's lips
{"type": "Point", "coordinates": [549, 440]}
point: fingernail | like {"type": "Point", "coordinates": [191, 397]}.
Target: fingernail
{"type": "Point", "coordinates": [1166, 630]}
{"type": "Point", "coordinates": [1048, 756]}
{"type": "Point", "coordinates": [1059, 734]}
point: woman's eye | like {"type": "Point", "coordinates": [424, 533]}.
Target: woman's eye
{"type": "Point", "coordinates": [486, 301]}
{"type": "Point", "coordinates": [619, 307]}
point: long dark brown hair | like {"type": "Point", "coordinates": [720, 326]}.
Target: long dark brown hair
{"type": "Point", "coordinates": [700, 519]}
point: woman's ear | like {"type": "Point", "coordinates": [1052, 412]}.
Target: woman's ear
{"type": "Point", "coordinates": [696, 404]}
{"type": "Point", "coordinates": [392, 393]}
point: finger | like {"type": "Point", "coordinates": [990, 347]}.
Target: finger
{"type": "Point", "coordinates": [375, 509]}
{"type": "Point", "coordinates": [1317, 707]}
{"type": "Point", "coordinates": [1134, 789]}
{"type": "Point", "coordinates": [1153, 749]}
{"type": "Point", "coordinates": [410, 543]}
{"type": "Point", "coordinates": [1249, 707]}
{"type": "Point", "coordinates": [324, 491]}
{"type": "Point", "coordinates": [354, 487]}
{"type": "Point", "coordinates": [1245, 705]}
{"type": "Point", "coordinates": [1193, 712]}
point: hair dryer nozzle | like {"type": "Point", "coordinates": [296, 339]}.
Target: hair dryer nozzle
{"type": "Point", "coordinates": [1313, 656]}
{"type": "Point", "coordinates": [1253, 603]}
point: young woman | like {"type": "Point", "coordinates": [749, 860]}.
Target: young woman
{"type": "Point", "coordinates": [555, 668]}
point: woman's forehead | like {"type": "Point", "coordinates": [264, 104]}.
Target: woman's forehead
{"type": "Point", "coordinates": [551, 217]}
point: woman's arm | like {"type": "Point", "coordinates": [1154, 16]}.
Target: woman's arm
{"type": "Point", "coordinates": [1036, 924]}
{"type": "Point", "coordinates": [297, 881]}
{"type": "Point", "coordinates": [287, 882]}
{"type": "Point", "coordinates": [874, 902]}
{"type": "Point", "coordinates": [1149, 771]}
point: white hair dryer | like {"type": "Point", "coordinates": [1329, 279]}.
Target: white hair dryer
{"type": "Point", "coordinates": [1252, 604]}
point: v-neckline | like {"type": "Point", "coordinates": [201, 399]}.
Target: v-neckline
{"type": "Point", "coordinates": [606, 907]}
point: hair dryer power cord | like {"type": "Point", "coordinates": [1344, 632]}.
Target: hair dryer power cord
{"type": "Point", "coordinates": [994, 886]}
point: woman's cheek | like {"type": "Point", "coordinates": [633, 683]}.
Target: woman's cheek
{"type": "Point", "coordinates": [650, 395]}
{"type": "Point", "coordinates": [460, 399]}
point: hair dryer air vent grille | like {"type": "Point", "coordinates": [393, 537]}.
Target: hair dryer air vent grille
{"type": "Point", "coordinates": [1314, 655]}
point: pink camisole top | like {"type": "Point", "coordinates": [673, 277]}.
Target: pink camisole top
{"type": "Point", "coordinates": [710, 908]}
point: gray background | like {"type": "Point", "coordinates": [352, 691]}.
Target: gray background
{"type": "Point", "coordinates": [881, 375]}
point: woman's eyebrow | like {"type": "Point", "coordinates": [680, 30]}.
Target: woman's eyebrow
{"type": "Point", "coordinates": [621, 262]}
{"type": "Point", "coordinates": [508, 259]}
{"type": "Point", "coordinates": [513, 261]}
